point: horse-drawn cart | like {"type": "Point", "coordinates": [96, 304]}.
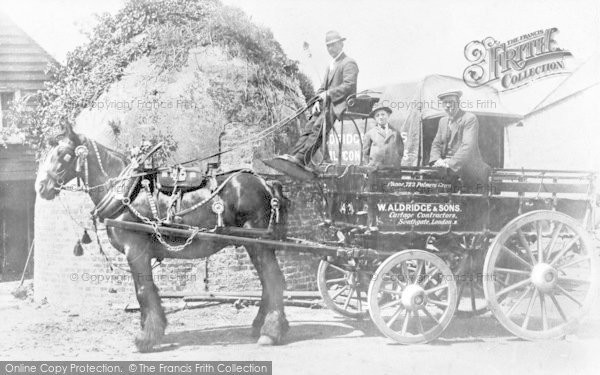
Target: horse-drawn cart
{"type": "Point", "coordinates": [520, 246]}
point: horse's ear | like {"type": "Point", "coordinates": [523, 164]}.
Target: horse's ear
{"type": "Point", "coordinates": [77, 139]}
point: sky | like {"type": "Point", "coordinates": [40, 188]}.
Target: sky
{"type": "Point", "coordinates": [392, 41]}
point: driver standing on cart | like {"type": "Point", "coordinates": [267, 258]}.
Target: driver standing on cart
{"type": "Point", "coordinates": [339, 83]}
{"type": "Point", "coordinates": [456, 145]}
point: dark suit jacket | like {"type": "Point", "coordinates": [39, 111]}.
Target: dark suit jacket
{"type": "Point", "coordinates": [380, 148]}
{"type": "Point", "coordinates": [460, 143]}
{"type": "Point", "coordinates": [340, 82]}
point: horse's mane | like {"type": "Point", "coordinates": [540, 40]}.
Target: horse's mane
{"type": "Point", "coordinates": [109, 156]}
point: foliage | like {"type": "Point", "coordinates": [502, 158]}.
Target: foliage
{"type": "Point", "coordinates": [166, 31]}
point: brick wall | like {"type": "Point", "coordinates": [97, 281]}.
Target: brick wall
{"type": "Point", "coordinates": [64, 279]}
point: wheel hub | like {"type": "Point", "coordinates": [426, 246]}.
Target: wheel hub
{"type": "Point", "coordinates": [544, 277]}
{"type": "Point", "coordinates": [413, 297]}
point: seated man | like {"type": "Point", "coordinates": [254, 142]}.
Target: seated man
{"type": "Point", "coordinates": [338, 84]}
{"type": "Point", "coordinates": [383, 144]}
{"type": "Point", "coordinates": [456, 144]}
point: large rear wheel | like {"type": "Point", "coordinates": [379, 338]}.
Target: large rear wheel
{"type": "Point", "coordinates": [540, 275]}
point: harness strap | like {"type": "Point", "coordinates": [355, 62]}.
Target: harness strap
{"type": "Point", "coordinates": [211, 196]}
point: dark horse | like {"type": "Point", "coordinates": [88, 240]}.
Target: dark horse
{"type": "Point", "coordinates": [247, 203]}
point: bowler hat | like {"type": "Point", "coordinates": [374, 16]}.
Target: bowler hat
{"type": "Point", "coordinates": [379, 108]}
{"type": "Point", "coordinates": [456, 93]}
{"type": "Point", "coordinates": [333, 36]}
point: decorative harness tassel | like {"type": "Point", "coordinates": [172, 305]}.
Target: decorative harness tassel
{"type": "Point", "coordinates": [81, 152]}
{"type": "Point", "coordinates": [151, 201]}
{"type": "Point", "coordinates": [218, 208]}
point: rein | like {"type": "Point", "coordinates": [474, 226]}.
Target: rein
{"type": "Point", "coordinates": [260, 135]}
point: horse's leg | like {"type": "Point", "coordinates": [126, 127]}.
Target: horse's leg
{"type": "Point", "coordinates": [153, 317]}
{"type": "Point", "coordinates": [264, 300]}
{"type": "Point", "coordinates": [271, 316]}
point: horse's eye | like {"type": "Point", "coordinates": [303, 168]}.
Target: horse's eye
{"type": "Point", "coordinates": [67, 158]}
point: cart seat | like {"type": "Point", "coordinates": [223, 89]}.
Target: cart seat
{"type": "Point", "coordinates": [359, 106]}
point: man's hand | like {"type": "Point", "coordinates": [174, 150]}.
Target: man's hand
{"type": "Point", "coordinates": [440, 163]}
{"type": "Point", "coordinates": [316, 108]}
{"type": "Point", "coordinates": [323, 96]}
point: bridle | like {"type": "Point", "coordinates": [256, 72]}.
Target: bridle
{"type": "Point", "coordinates": [78, 155]}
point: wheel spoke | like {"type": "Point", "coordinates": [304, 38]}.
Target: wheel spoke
{"type": "Point", "coordinates": [419, 323]}
{"type": "Point", "coordinates": [573, 280]}
{"type": "Point", "coordinates": [514, 306]}
{"type": "Point", "coordinates": [513, 287]}
{"type": "Point", "coordinates": [568, 295]}
{"type": "Point", "coordinates": [390, 304]}
{"type": "Point", "coordinates": [510, 270]}
{"type": "Point", "coordinates": [405, 323]}
{"type": "Point", "coordinates": [429, 315]}
{"type": "Point", "coordinates": [395, 317]}
{"type": "Point", "coordinates": [396, 293]}
{"type": "Point", "coordinates": [555, 235]}
{"type": "Point", "coordinates": [435, 289]}
{"type": "Point", "coordinates": [396, 279]}
{"type": "Point", "coordinates": [437, 302]}
{"type": "Point", "coordinates": [473, 306]}
{"type": "Point", "coordinates": [560, 310]}
{"type": "Point", "coordinates": [404, 270]}
{"type": "Point", "coordinates": [516, 257]}
{"type": "Point", "coordinates": [336, 295]}
{"type": "Point", "coordinates": [565, 250]}
{"type": "Point", "coordinates": [347, 302]}
{"type": "Point", "coordinates": [525, 244]}
{"type": "Point", "coordinates": [538, 230]}
{"type": "Point", "coordinates": [574, 263]}
{"type": "Point", "coordinates": [429, 276]}
{"type": "Point", "coordinates": [461, 289]}
{"type": "Point", "coordinates": [358, 299]}
{"type": "Point", "coordinates": [339, 269]}
{"type": "Point", "coordinates": [332, 281]}
{"type": "Point", "coordinates": [543, 311]}
{"type": "Point", "coordinates": [529, 308]}
{"type": "Point", "coordinates": [420, 264]}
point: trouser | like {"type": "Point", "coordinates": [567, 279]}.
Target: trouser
{"type": "Point", "coordinates": [311, 140]}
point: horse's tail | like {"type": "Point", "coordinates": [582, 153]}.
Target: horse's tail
{"type": "Point", "coordinates": [280, 225]}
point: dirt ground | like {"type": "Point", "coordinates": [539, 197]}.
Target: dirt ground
{"type": "Point", "coordinates": [319, 342]}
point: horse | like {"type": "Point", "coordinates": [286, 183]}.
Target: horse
{"type": "Point", "coordinates": [246, 199]}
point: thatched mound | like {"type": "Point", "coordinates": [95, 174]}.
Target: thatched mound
{"type": "Point", "coordinates": [176, 71]}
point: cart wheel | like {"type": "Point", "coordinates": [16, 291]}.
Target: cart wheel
{"type": "Point", "coordinates": [540, 275]}
{"type": "Point", "coordinates": [343, 289]}
{"type": "Point", "coordinates": [412, 297]}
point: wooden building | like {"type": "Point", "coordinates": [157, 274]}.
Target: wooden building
{"type": "Point", "coordinates": [22, 72]}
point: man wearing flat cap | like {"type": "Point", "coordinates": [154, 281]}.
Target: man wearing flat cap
{"type": "Point", "coordinates": [383, 144]}
{"type": "Point", "coordinates": [456, 144]}
{"type": "Point", "coordinates": [339, 83]}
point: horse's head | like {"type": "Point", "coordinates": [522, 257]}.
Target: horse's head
{"type": "Point", "coordinates": [62, 163]}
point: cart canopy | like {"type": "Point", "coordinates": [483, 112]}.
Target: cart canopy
{"type": "Point", "coordinates": [417, 110]}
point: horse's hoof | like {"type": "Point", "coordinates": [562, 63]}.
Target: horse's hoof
{"type": "Point", "coordinates": [265, 340]}
{"type": "Point", "coordinates": [144, 345]}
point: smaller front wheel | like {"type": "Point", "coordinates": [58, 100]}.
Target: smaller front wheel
{"type": "Point", "coordinates": [343, 288]}
{"type": "Point", "coordinates": [412, 297]}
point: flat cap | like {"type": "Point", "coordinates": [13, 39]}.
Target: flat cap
{"type": "Point", "coordinates": [445, 94]}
